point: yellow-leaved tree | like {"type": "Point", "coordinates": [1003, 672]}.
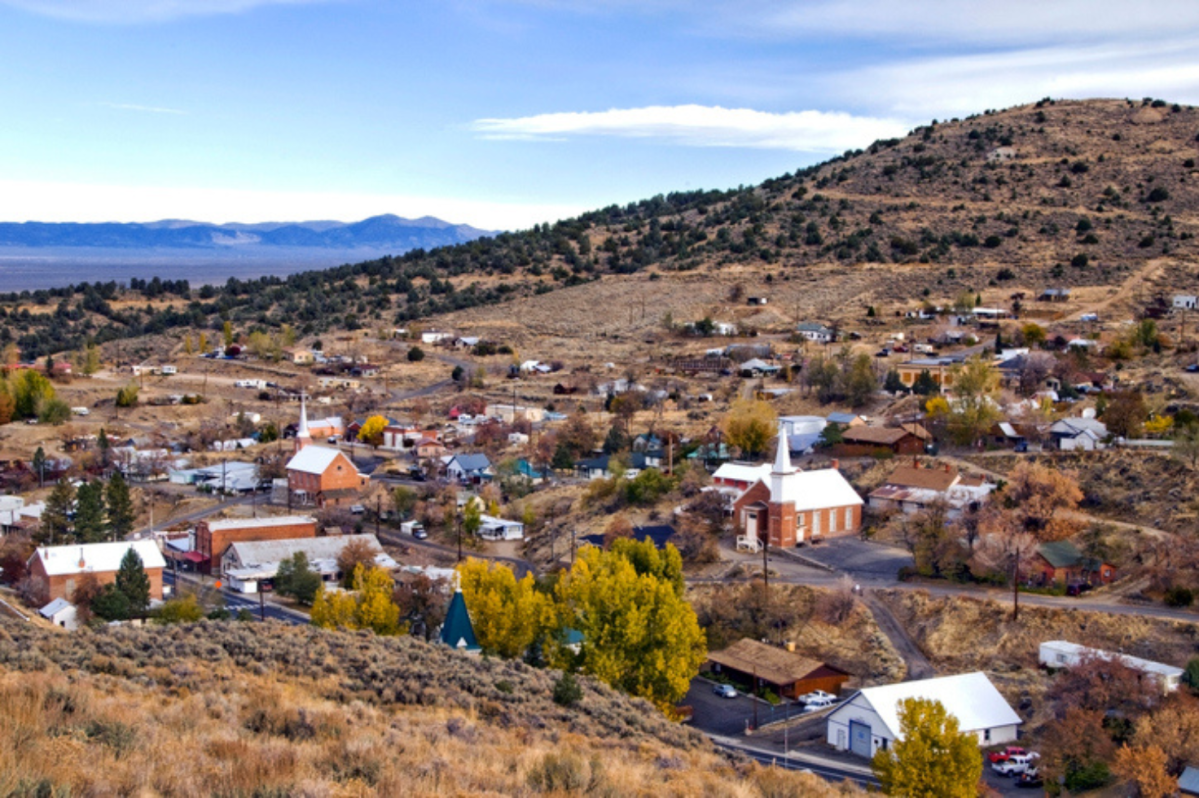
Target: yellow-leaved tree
{"type": "Point", "coordinates": [933, 758]}
{"type": "Point", "coordinates": [638, 633]}
{"type": "Point", "coordinates": [975, 406]}
{"type": "Point", "coordinates": [371, 431]}
{"type": "Point", "coordinates": [508, 615]}
{"type": "Point", "coordinates": [749, 425]}
{"type": "Point", "coordinates": [368, 606]}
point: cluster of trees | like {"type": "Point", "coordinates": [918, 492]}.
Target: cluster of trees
{"type": "Point", "coordinates": [367, 605]}
{"type": "Point", "coordinates": [95, 512]}
{"type": "Point", "coordinates": [626, 605]}
{"type": "Point", "coordinates": [843, 378]}
{"type": "Point", "coordinates": [28, 394]}
{"type": "Point", "coordinates": [975, 406]}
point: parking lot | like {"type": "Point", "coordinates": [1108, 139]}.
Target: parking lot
{"type": "Point", "coordinates": [861, 558]}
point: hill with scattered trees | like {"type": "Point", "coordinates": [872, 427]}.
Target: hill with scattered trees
{"type": "Point", "coordinates": [1061, 192]}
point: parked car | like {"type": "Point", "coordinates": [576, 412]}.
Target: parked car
{"type": "Point", "coordinates": [420, 534]}
{"type": "Point", "coordinates": [1193, 368]}
{"type": "Point", "coordinates": [1001, 756]}
{"type": "Point", "coordinates": [357, 509]}
{"type": "Point", "coordinates": [1078, 588]}
{"type": "Point", "coordinates": [725, 690]}
{"type": "Point", "coordinates": [1015, 765]}
{"type": "Point", "coordinates": [817, 695]}
{"type": "Point", "coordinates": [819, 704]}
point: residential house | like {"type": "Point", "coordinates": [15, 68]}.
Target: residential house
{"type": "Point", "coordinates": [754, 665]}
{"type": "Point", "coordinates": [298, 356]}
{"type": "Point", "coordinates": [253, 565]}
{"type": "Point", "coordinates": [1060, 561]}
{"type": "Point", "coordinates": [912, 488]}
{"type": "Point", "coordinates": [55, 571]}
{"type": "Point", "coordinates": [1185, 301]}
{"type": "Point", "coordinates": [869, 719]}
{"type": "Point", "coordinates": [846, 420]}
{"type": "Point", "coordinates": [904, 439]}
{"type": "Point", "coordinates": [659, 535]}
{"type": "Point", "coordinates": [339, 383]}
{"type": "Point", "coordinates": [1064, 654]}
{"type": "Point", "coordinates": [501, 529]}
{"type": "Point", "coordinates": [434, 337]}
{"type": "Point", "coordinates": [1054, 295]}
{"type": "Point", "coordinates": [428, 448]}
{"type": "Point", "coordinates": [788, 507]}
{"type": "Point", "coordinates": [1079, 434]}
{"type": "Point", "coordinates": [939, 368]}
{"type": "Point", "coordinates": [816, 333]}
{"type": "Point", "coordinates": [213, 537]}
{"type": "Point", "coordinates": [756, 367]}
{"type": "Point", "coordinates": [60, 612]}
{"type": "Point", "coordinates": [471, 467]}
{"type": "Point", "coordinates": [740, 476]}
{"type": "Point", "coordinates": [510, 414]}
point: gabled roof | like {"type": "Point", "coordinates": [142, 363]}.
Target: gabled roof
{"type": "Point", "coordinates": [878, 436]}
{"type": "Point", "coordinates": [475, 461]}
{"type": "Point", "coordinates": [457, 631]}
{"type": "Point", "coordinates": [258, 552]}
{"type": "Point", "coordinates": [54, 607]}
{"type": "Point", "coordinates": [742, 472]}
{"type": "Point", "coordinates": [817, 490]}
{"type": "Point", "coordinates": [314, 460]}
{"type": "Point", "coordinates": [1060, 553]}
{"type": "Point", "coordinates": [1073, 427]}
{"type": "Point", "coordinates": [969, 697]}
{"type": "Point", "coordinates": [259, 523]}
{"type": "Point", "coordinates": [96, 557]}
{"type": "Point", "coordinates": [775, 665]}
{"type": "Point", "coordinates": [938, 479]}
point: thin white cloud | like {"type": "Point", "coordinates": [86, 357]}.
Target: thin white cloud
{"type": "Point", "coordinates": [954, 86]}
{"type": "Point", "coordinates": [140, 11]}
{"type": "Point", "coordinates": [22, 201]}
{"type": "Point", "coordinates": [703, 126]}
{"type": "Point", "coordinates": [147, 109]}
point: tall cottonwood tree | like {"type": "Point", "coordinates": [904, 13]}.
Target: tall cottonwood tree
{"type": "Point", "coordinates": [932, 758]}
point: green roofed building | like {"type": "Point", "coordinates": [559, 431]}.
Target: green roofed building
{"type": "Point", "coordinates": [457, 631]}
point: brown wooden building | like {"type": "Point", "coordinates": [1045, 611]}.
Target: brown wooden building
{"type": "Point", "coordinates": [213, 537]}
{"type": "Point", "coordinates": [863, 441]}
{"type": "Point", "coordinates": [55, 571]}
{"type": "Point", "coordinates": [787, 673]}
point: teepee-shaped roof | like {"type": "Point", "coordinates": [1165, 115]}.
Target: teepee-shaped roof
{"type": "Point", "coordinates": [457, 631]}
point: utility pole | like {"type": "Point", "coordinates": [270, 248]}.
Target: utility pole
{"type": "Point", "coordinates": [378, 513]}
{"type": "Point", "coordinates": [261, 605]}
{"type": "Point", "coordinates": [458, 527]}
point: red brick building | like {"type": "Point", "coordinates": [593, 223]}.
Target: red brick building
{"type": "Point", "coordinates": [319, 475]}
{"type": "Point", "coordinates": [55, 571]}
{"type": "Point", "coordinates": [788, 507]}
{"type": "Point", "coordinates": [213, 537]}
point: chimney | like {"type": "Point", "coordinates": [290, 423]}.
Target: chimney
{"type": "Point", "coordinates": [947, 468]}
{"type": "Point", "coordinates": [836, 465]}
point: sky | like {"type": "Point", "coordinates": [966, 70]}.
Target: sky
{"type": "Point", "coordinates": [505, 113]}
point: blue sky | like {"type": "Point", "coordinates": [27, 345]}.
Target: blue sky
{"type": "Point", "coordinates": [503, 113]}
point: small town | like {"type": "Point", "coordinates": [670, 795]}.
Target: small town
{"type": "Point", "coordinates": [738, 400]}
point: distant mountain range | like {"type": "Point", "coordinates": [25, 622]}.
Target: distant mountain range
{"type": "Point", "coordinates": [378, 233]}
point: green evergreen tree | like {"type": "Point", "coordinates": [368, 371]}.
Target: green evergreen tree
{"type": "Point", "coordinates": [39, 466]}
{"type": "Point", "coordinates": [120, 507]}
{"type": "Point", "coordinates": [296, 578]}
{"type": "Point", "coordinates": [892, 383]}
{"type": "Point", "coordinates": [111, 604]}
{"type": "Point", "coordinates": [925, 385]}
{"type": "Point", "coordinates": [89, 513]}
{"type": "Point", "coordinates": [616, 440]}
{"type": "Point", "coordinates": [105, 449]}
{"type": "Point", "coordinates": [133, 581]}
{"type": "Point", "coordinates": [56, 524]}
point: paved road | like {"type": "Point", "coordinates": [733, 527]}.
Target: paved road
{"type": "Point", "coordinates": [237, 601]}
{"type": "Point", "coordinates": [797, 760]}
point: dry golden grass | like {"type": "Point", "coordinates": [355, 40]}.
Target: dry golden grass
{"type": "Point", "coordinates": [232, 710]}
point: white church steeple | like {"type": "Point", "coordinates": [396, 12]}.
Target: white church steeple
{"type": "Point", "coordinates": [303, 436]}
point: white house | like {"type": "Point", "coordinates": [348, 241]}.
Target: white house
{"type": "Point", "coordinates": [869, 719]}
{"type": "Point", "coordinates": [1086, 434]}
{"type": "Point", "coordinates": [60, 612]}
{"type": "Point", "coordinates": [1064, 654]}
{"type": "Point", "coordinates": [246, 564]}
{"type": "Point", "coordinates": [501, 529]}
{"type": "Point", "coordinates": [817, 333]}
{"type": "Point", "coordinates": [1185, 301]}
{"type": "Point", "coordinates": [434, 337]}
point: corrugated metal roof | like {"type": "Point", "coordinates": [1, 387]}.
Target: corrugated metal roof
{"type": "Point", "coordinates": [969, 697]}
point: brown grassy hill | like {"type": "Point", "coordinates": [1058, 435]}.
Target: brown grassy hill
{"type": "Point", "coordinates": [251, 710]}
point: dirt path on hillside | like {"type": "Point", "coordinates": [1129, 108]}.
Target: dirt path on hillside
{"type": "Point", "coordinates": [917, 664]}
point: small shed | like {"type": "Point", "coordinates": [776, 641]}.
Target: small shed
{"type": "Point", "coordinates": [787, 673]}
{"type": "Point", "coordinates": [60, 612]}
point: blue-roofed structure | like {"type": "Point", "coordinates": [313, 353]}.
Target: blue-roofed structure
{"type": "Point", "coordinates": [1188, 782]}
{"type": "Point", "coordinates": [457, 631]}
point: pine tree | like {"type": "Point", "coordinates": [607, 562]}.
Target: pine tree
{"type": "Point", "coordinates": [89, 513]}
{"type": "Point", "coordinates": [133, 582]}
{"type": "Point", "coordinates": [56, 525]}
{"type": "Point", "coordinates": [39, 466]}
{"type": "Point", "coordinates": [120, 507]}
{"type": "Point", "coordinates": [105, 449]}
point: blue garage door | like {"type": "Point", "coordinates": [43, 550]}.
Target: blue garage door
{"type": "Point", "coordinates": [859, 738]}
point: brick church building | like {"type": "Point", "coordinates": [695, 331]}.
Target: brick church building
{"type": "Point", "coordinates": [787, 506]}
{"type": "Point", "coordinates": [320, 475]}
